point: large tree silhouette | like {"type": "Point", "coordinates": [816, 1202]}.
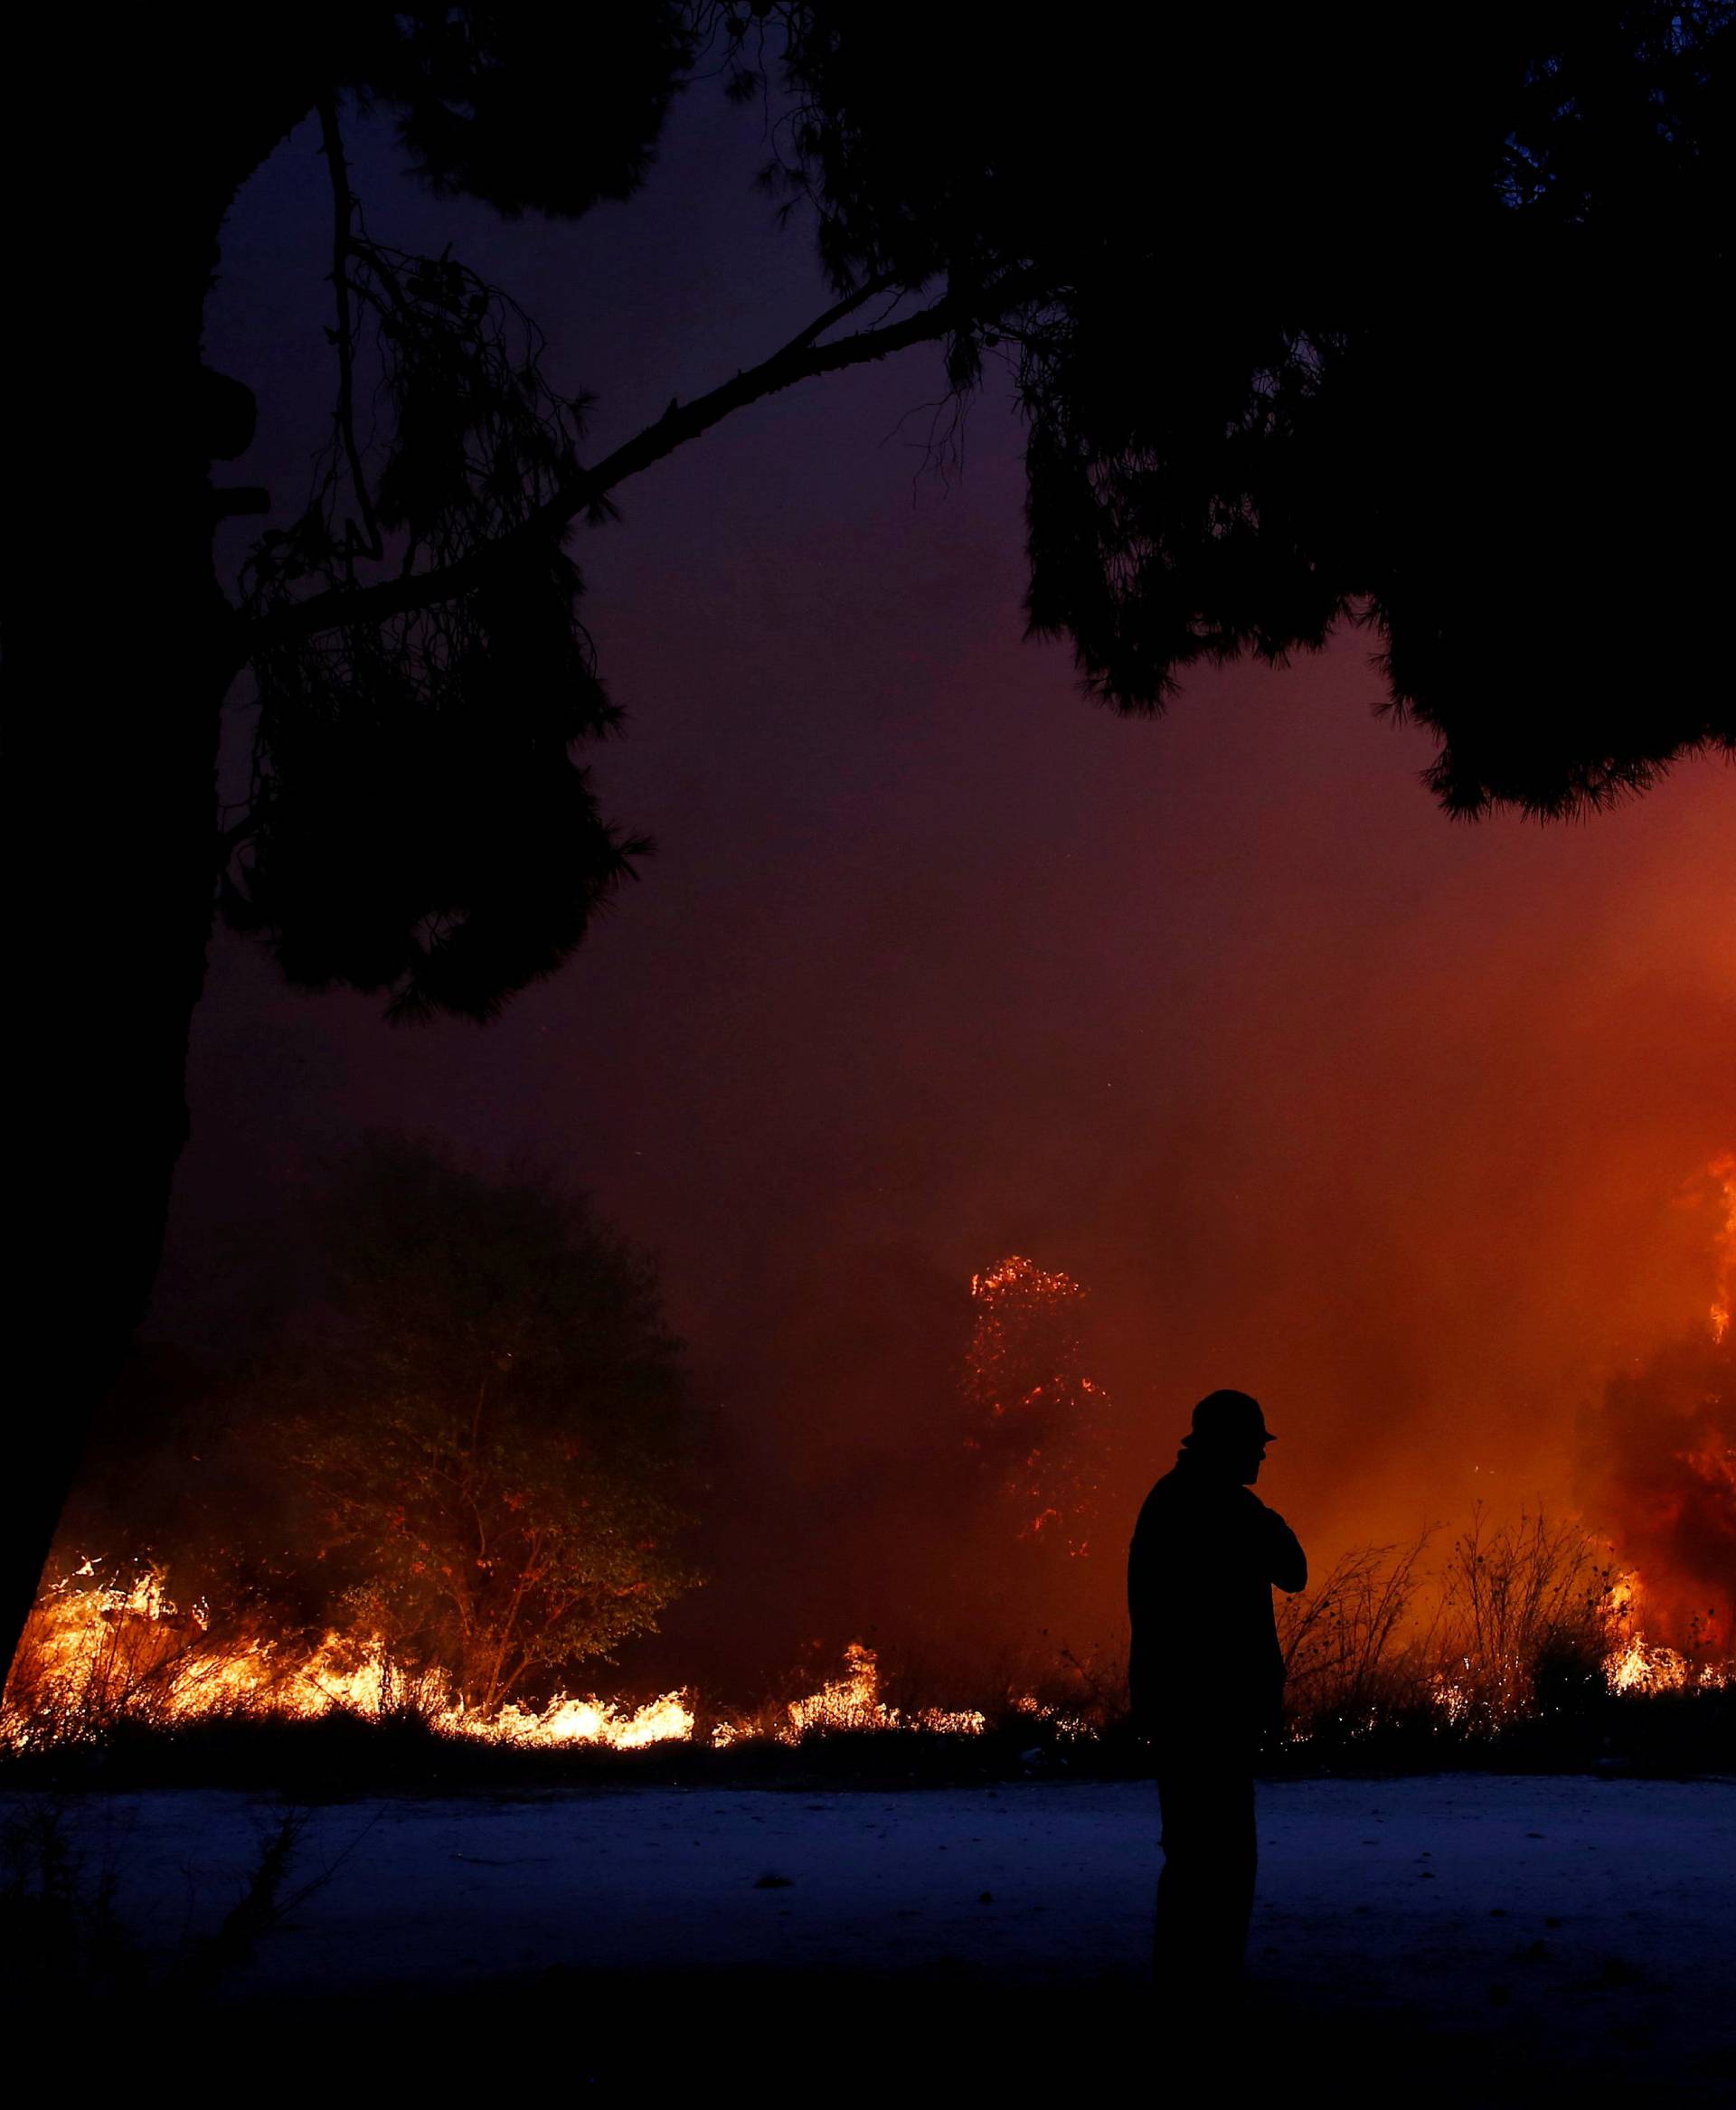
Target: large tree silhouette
{"type": "Point", "coordinates": [1414, 328]}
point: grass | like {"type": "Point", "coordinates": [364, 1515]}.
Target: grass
{"type": "Point", "coordinates": [1498, 1662]}
{"type": "Point", "coordinates": [65, 1953]}
{"type": "Point", "coordinates": [1671, 1735]}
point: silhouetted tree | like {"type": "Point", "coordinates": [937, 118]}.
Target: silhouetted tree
{"type": "Point", "coordinates": [1419, 328]}
{"type": "Point", "coordinates": [486, 1428]}
{"type": "Point", "coordinates": [121, 645]}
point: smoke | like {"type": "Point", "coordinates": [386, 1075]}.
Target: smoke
{"type": "Point", "coordinates": [1660, 1470]}
{"type": "Point", "coordinates": [1659, 1453]}
{"type": "Point", "coordinates": [1377, 1118]}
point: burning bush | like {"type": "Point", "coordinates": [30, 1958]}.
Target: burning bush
{"type": "Point", "coordinates": [1525, 1608]}
{"type": "Point", "coordinates": [1352, 1655]}
{"type": "Point", "coordinates": [457, 1484]}
{"type": "Point", "coordinates": [487, 1427]}
{"type": "Point", "coordinates": [1524, 1618]}
{"type": "Point", "coordinates": [1037, 1413]}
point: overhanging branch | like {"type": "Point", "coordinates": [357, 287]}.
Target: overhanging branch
{"type": "Point", "coordinates": [800, 360]}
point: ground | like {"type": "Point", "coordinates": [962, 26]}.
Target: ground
{"type": "Point", "coordinates": [1480, 1934]}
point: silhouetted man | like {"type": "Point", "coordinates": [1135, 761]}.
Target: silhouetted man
{"type": "Point", "coordinates": [1207, 1680]}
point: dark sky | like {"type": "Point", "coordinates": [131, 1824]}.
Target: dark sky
{"type": "Point", "coordinates": [1385, 1118]}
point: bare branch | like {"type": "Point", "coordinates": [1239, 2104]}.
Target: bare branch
{"type": "Point", "coordinates": [817, 328]}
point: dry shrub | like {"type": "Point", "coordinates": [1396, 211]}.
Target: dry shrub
{"type": "Point", "coordinates": [1519, 1600]}
{"type": "Point", "coordinates": [1517, 1620]}
{"type": "Point", "coordinates": [1353, 1655]}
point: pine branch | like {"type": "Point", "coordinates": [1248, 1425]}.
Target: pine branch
{"type": "Point", "coordinates": [342, 227]}
{"type": "Point", "coordinates": [800, 360]}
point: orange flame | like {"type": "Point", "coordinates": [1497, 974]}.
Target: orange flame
{"type": "Point", "coordinates": [92, 1655]}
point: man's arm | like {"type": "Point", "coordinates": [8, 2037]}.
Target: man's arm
{"type": "Point", "coordinates": [1286, 1563]}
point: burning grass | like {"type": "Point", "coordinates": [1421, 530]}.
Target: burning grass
{"type": "Point", "coordinates": [107, 1664]}
{"type": "Point", "coordinates": [1520, 1649]}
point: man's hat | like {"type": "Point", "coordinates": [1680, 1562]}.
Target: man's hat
{"type": "Point", "coordinates": [1231, 1418]}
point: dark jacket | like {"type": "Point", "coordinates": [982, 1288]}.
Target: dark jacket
{"type": "Point", "coordinates": [1206, 1673]}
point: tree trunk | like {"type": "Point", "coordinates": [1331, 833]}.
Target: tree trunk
{"type": "Point", "coordinates": [111, 746]}
{"type": "Point", "coordinates": [118, 652]}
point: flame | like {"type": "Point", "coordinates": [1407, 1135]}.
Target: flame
{"type": "Point", "coordinates": [1639, 1667]}
{"type": "Point", "coordinates": [94, 1654]}
{"type": "Point", "coordinates": [1659, 1467]}
{"type": "Point", "coordinates": [99, 1649]}
{"type": "Point", "coordinates": [666, 1721]}
{"type": "Point", "coordinates": [1635, 1665]}
{"type": "Point", "coordinates": [853, 1702]}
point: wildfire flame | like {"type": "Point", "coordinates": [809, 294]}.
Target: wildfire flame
{"type": "Point", "coordinates": [1641, 1667]}
{"type": "Point", "coordinates": [96, 1650]}
{"type": "Point", "coordinates": [1634, 1663]}
{"type": "Point", "coordinates": [853, 1702]}
{"type": "Point", "coordinates": [1667, 1472]}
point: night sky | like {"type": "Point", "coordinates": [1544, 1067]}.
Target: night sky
{"type": "Point", "coordinates": [1384, 1119]}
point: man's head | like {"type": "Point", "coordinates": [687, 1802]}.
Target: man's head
{"type": "Point", "coordinates": [1229, 1432]}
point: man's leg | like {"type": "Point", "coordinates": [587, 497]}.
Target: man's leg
{"type": "Point", "coordinates": [1241, 1867]}
{"type": "Point", "coordinates": [1205, 1894]}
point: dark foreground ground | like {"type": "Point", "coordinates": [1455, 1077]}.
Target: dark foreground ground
{"type": "Point", "coordinates": [1463, 1939]}
{"type": "Point", "coordinates": [926, 2035]}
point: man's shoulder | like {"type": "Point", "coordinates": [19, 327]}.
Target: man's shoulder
{"type": "Point", "coordinates": [1182, 1496]}
{"type": "Point", "coordinates": [1176, 1498]}
{"type": "Point", "coordinates": [1164, 1491]}
{"type": "Point", "coordinates": [1181, 1485]}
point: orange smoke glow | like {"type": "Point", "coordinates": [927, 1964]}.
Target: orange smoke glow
{"type": "Point", "coordinates": [1658, 1500]}
{"type": "Point", "coordinates": [1662, 1451]}
{"type": "Point", "coordinates": [1723, 1170]}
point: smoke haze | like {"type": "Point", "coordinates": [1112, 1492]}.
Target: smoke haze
{"type": "Point", "coordinates": [1382, 1118]}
